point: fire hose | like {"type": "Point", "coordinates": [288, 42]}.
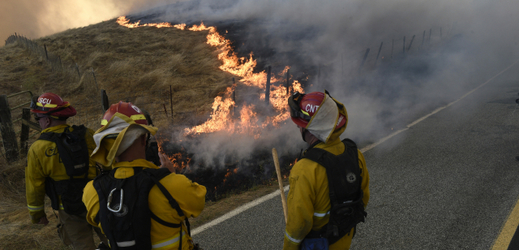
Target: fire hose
{"type": "Point", "coordinates": [280, 181]}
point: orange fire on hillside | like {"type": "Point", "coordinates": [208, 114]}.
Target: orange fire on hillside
{"type": "Point", "coordinates": [222, 117]}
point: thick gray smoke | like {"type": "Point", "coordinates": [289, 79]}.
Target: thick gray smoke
{"type": "Point", "coordinates": [449, 48]}
{"type": "Point", "coordinates": [457, 45]}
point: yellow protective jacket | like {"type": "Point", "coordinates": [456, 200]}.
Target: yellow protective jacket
{"type": "Point", "coordinates": [309, 200]}
{"type": "Point", "coordinates": [308, 197]}
{"type": "Point", "coordinates": [189, 195]}
{"type": "Point", "coordinates": [43, 161]}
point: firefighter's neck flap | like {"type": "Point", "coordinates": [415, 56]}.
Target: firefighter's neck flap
{"type": "Point", "coordinates": [116, 136]}
{"type": "Point", "coordinates": [325, 121]}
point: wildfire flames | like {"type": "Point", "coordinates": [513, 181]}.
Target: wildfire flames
{"type": "Point", "coordinates": [222, 117]}
{"type": "Point", "coordinates": [179, 160]}
{"type": "Point", "coordinates": [226, 116]}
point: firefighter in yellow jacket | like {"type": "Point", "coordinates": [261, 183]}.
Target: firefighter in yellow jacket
{"type": "Point", "coordinates": [46, 172]}
{"type": "Point", "coordinates": [321, 120]}
{"type": "Point", "coordinates": [145, 216]}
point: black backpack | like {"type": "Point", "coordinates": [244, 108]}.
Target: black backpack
{"type": "Point", "coordinates": [123, 208]}
{"type": "Point", "coordinates": [73, 152]}
{"type": "Point", "coordinates": [344, 181]}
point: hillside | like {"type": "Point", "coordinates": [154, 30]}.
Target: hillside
{"type": "Point", "coordinates": [138, 65]}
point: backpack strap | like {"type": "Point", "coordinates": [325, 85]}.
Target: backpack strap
{"type": "Point", "coordinates": [67, 153]}
{"type": "Point", "coordinates": [325, 159]}
{"type": "Point", "coordinates": [156, 176]}
{"type": "Point", "coordinates": [46, 136]}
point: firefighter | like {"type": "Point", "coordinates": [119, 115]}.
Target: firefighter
{"type": "Point", "coordinates": [48, 171]}
{"type": "Point", "coordinates": [138, 205]}
{"type": "Point", "coordinates": [316, 198]}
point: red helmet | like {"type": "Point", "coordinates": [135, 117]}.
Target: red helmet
{"type": "Point", "coordinates": [127, 109]}
{"type": "Point", "coordinates": [304, 106]}
{"type": "Point", "coordinates": [52, 105]}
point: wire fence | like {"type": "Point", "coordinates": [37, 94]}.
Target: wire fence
{"type": "Point", "coordinates": [386, 51]}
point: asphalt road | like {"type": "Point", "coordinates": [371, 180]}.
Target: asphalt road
{"type": "Point", "coordinates": [448, 182]}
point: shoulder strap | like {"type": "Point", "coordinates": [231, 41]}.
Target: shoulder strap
{"type": "Point", "coordinates": [325, 159]}
{"type": "Point", "coordinates": [156, 175]}
{"type": "Point", "coordinates": [79, 130]}
{"type": "Point", "coordinates": [47, 136]}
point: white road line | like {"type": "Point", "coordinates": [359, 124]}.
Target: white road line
{"type": "Point", "coordinates": [237, 211]}
{"type": "Point", "coordinates": [434, 112]}
{"type": "Point", "coordinates": [286, 188]}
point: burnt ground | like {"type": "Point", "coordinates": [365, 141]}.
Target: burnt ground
{"type": "Point", "coordinates": [235, 175]}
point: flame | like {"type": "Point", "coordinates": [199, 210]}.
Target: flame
{"type": "Point", "coordinates": [178, 160]}
{"type": "Point", "coordinates": [229, 173]}
{"type": "Point", "coordinates": [222, 116]}
{"type": "Point", "coordinates": [123, 21]}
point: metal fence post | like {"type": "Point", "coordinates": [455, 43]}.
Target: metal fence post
{"type": "Point", "coordinates": [267, 87]}
{"type": "Point", "coordinates": [364, 59]}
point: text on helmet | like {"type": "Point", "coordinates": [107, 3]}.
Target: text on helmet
{"type": "Point", "coordinates": [136, 109]}
{"type": "Point", "coordinates": [44, 101]}
{"type": "Point", "coordinates": [311, 108]}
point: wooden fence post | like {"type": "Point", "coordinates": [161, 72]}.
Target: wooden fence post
{"type": "Point", "coordinates": [378, 54]}
{"type": "Point", "coordinates": [24, 135]}
{"type": "Point", "coordinates": [288, 85]}
{"type": "Point", "coordinates": [403, 49]}
{"type": "Point", "coordinates": [104, 101]}
{"type": "Point", "coordinates": [8, 134]}
{"type": "Point", "coordinates": [77, 69]}
{"type": "Point", "coordinates": [94, 75]}
{"type": "Point", "coordinates": [46, 54]}
{"type": "Point", "coordinates": [267, 88]}
{"type": "Point", "coordinates": [171, 100]}
{"type": "Point", "coordinates": [165, 110]}
{"type": "Point", "coordinates": [410, 43]}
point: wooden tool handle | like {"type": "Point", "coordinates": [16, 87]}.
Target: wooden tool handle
{"type": "Point", "coordinates": [280, 181]}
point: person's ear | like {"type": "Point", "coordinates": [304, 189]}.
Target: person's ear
{"type": "Point", "coordinates": [47, 122]}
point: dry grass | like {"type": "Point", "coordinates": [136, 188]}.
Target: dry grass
{"type": "Point", "coordinates": [138, 65]}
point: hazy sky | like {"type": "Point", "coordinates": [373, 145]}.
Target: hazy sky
{"type": "Point", "coordinates": [37, 18]}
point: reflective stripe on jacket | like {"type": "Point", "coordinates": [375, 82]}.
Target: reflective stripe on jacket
{"type": "Point", "coordinates": [309, 200]}
{"type": "Point", "coordinates": [189, 195]}
{"type": "Point", "coordinates": [43, 161]}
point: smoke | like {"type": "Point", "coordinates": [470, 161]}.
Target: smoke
{"type": "Point", "coordinates": [37, 18]}
{"type": "Point", "coordinates": [431, 53]}
{"type": "Point", "coordinates": [220, 149]}
{"type": "Point", "coordinates": [456, 45]}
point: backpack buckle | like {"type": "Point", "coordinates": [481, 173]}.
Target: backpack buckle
{"type": "Point", "coordinates": [110, 196]}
